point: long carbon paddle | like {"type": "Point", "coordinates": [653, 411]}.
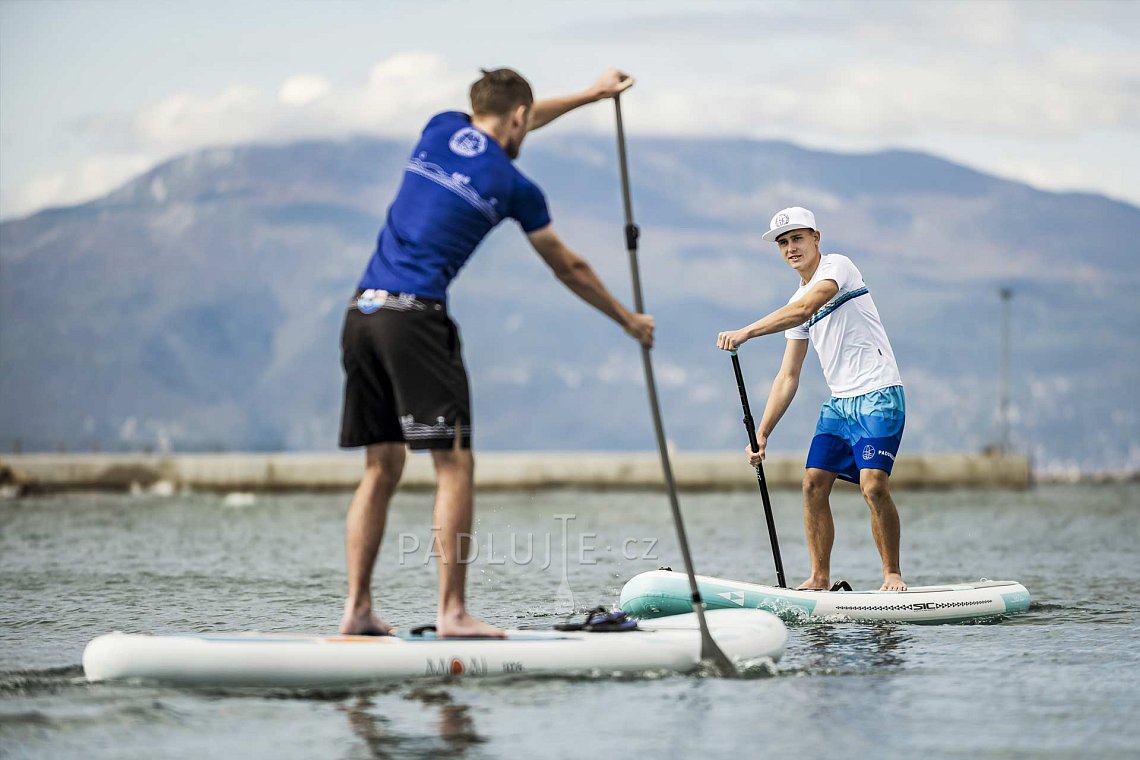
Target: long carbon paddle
{"type": "Point", "coordinates": [751, 427]}
{"type": "Point", "coordinates": [710, 652]}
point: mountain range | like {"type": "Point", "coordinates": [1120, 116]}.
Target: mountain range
{"type": "Point", "coordinates": [198, 307]}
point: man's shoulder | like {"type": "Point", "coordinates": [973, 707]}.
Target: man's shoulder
{"type": "Point", "coordinates": [837, 258]}
{"type": "Point", "coordinates": [457, 118]}
{"type": "Point", "coordinates": [524, 183]}
{"type": "Point", "coordinates": [447, 126]}
{"type": "Point", "coordinates": [838, 263]}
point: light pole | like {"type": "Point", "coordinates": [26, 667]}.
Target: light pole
{"type": "Point", "coordinates": [1003, 404]}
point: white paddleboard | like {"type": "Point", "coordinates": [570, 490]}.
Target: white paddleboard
{"type": "Point", "coordinates": [287, 660]}
{"type": "Point", "coordinates": [663, 592]}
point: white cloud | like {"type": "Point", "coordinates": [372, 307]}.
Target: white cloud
{"type": "Point", "coordinates": [671, 375]}
{"type": "Point", "coordinates": [514, 375]}
{"type": "Point", "coordinates": [956, 81]}
{"type": "Point", "coordinates": [393, 100]}
{"type": "Point", "coordinates": [302, 90]}
{"type": "Point", "coordinates": [91, 178]}
{"type": "Point", "coordinates": [884, 71]}
{"type": "Point", "coordinates": [1063, 94]}
{"type": "Point", "coordinates": [185, 121]}
{"type": "Point", "coordinates": [571, 377]}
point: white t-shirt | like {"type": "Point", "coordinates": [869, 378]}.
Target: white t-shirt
{"type": "Point", "coordinates": [847, 333]}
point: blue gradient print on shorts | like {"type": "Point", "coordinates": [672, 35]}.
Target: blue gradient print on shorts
{"type": "Point", "coordinates": [858, 433]}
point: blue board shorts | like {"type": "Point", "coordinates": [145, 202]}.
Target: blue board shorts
{"type": "Point", "coordinates": [859, 433]}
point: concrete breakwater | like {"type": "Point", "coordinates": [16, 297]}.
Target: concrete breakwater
{"type": "Point", "coordinates": [40, 473]}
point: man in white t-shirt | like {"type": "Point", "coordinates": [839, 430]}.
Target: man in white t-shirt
{"type": "Point", "coordinates": [861, 425]}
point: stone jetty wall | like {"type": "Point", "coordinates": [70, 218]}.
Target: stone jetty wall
{"type": "Point", "coordinates": [38, 473]}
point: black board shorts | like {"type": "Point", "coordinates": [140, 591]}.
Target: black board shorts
{"type": "Point", "coordinates": [404, 374]}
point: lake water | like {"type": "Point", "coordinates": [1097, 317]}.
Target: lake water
{"type": "Point", "coordinates": [1062, 680]}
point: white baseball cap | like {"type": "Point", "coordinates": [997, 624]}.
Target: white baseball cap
{"type": "Point", "coordinates": [794, 218]}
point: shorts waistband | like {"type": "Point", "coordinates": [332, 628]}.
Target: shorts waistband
{"type": "Point", "coordinates": [368, 300]}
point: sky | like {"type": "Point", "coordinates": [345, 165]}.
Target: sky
{"type": "Point", "coordinates": [93, 93]}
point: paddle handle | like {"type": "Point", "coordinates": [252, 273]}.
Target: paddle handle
{"type": "Point", "coordinates": [749, 425]}
{"type": "Point", "coordinates": [761, 481]}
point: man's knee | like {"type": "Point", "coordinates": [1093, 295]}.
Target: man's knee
{"type": "Point", "coordinates": [875, 487]}
{"type": "Point", "coordinates": [384, 464]}
{"type": "Point", "coordinates": [817, 485]}
{"type": "Point", "coordinates": [451, 461]}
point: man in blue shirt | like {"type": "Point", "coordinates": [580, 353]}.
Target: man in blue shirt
{"type": "Point", "coordinates": [405, 382]}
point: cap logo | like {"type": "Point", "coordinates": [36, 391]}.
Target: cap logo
{"type": "Point", "coordinates": [781, 220]}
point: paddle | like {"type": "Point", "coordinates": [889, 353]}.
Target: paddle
{"type": "Point", "coordinates": [710, 652]}
{"type": "Point", "coordinates": [751, 427]}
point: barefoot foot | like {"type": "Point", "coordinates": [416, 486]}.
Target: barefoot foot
{"type": "Point", "coordinates": [363, 623]}
{"type": "Point", "coordinates": [893, 582]}
{"type": "Point", "coordinates": [816, 583]}
{"type": "Point", "coordinates": [465, 626]}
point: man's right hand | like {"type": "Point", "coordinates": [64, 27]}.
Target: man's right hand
{"type": "Point", "coordinates": [756, 457]}
{"type": "Point", "coordinates": [640, 328]}
{"type": "Point", "coordinates": [611, 82]}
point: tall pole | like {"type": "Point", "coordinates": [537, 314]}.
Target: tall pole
{"type": "Point", "coordinates": [1003, 404]}
{"type": "Point", "coordinates": [710, 652]}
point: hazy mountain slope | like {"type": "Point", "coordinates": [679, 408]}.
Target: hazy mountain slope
{"type": "Point", "coordinates": [199, 306]}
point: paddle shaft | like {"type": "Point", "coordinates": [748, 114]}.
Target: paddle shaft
{"type": "Point", "coordinates": [709, 649]}
{"type": "Point", "coordinates": [763, 483]}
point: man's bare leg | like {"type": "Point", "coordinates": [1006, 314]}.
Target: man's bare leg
{"type": "Point", "coordinates": [884, 525]}
{"type": "Point", "coordinates": [819, 528]}
{"type": "Point", "coordinates": [364, 530]}
{"type": "Point", "coordinates": [451, 525]}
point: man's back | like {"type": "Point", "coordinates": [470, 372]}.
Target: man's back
{"type": "Point", "coordinates": [458, 184]}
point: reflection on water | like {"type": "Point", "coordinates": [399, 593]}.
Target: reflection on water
{"type": "Point", "coordinates": [454, 725]}
{"type": "Point", "coordinates": [841, 648]}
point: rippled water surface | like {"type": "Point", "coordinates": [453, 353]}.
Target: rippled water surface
{"type": "Point", "coordinates": [1060, 681]}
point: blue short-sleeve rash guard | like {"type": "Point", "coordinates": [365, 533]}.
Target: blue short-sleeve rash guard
{"type": "Point", "coordinates": [458, 184]}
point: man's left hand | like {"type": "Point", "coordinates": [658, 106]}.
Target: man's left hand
{"type": "Point", "coordinates": [611, 83]}
{"type": "Point", "coordinates": [731, 340]}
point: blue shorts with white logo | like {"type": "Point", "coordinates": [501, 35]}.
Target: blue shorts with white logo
{"type": "Point", "coordinates": [859, 433]}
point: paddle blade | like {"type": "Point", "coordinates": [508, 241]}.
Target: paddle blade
{"type": "Point", "coordinates": [716, 659]}
{"type": "Point", "coordinates": [712, 654]}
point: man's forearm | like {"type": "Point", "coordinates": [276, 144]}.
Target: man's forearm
{"type": "Point", "coordinates": [611, 83]}
{"type": "Point", "coordinates": [783, 391]}
{"type": "Point", "coordinates": [545, 111]}
{"type": "Point", "coordinates": [784, 318]}
{"type": "Point", "coordinates": [581, 279]}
